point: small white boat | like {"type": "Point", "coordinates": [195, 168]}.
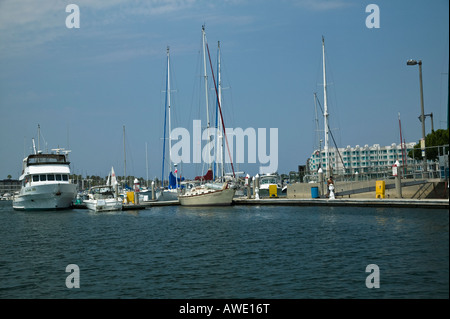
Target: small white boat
{"type": "Point", "coordinates": [102, 199]}
{"type": "Point", "coordinates": [266, 181]}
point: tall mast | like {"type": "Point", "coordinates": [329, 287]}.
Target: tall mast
{"type": "Point", "coordinates": [221, 115]}
{"type": "Point", "coordinates": [404, 162]}
{"type": "Point", "coordinates": [325, 113]}
{"type": "Point", "coordinates": [316, 118]}
{"type": "Point", "coordinates": [168, 107]}
{"type": "Point", "coordinates": [39, 138]}
{"type": "Point", "coordinates": [146, 163]}
{"type": "Point", "coordinates": [219, 143]}
{"type": "Point", "coordinates": [34, 147]}
{"type": "Point", "coordinates": [124, 157]}
{"type": "Point", "coordinates": [206, 83]}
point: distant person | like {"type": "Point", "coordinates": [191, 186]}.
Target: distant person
{"type": "Point", "coordinates": [329, 182]}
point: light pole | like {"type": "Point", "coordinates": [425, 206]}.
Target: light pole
{"type": "Point", "coordinates": [422, 116]}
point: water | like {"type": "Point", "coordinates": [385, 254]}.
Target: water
{"type": "Point", "coordinates": [232, 252]}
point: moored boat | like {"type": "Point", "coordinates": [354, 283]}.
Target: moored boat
{"type": "Point", "coordinates": [266, 182]}
{"type": "Point", "coordinates": [45, 182]}
{"type": "Point", "coordinates": [209, 194]}
{"type": "Point", "coordinates": [102, 198]}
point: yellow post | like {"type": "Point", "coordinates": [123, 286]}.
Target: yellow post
{"type": "Point", "coordinates": [130, 197]}
{"type": "Point", "coordinates": [380, 189]}
{"type": "Point", "coordinates": [273, 191]}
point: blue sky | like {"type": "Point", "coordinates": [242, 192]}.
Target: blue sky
{"type": "Point", "coordinates": [83, 85]}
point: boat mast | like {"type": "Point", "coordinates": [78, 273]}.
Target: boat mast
{"type": "Point", "coordinates": [39, 138]}
{"type": "Point", "coordinates": [404, 162]}
{"type": "Point", "coordinates": [34, 147]}
{"type": "Point", "coordinates": [221, 115]}
{"type": "Point", "coordinates": [206, 84]}
{"type": "Point", "coordinates": [325, 114]}
{"type": "Point", "coordinates": [168, 108]}
{"type": "Point", "coordinates": [146, 163]}
{"type": "Point", "coordinates": [219, 130]}
{"type": "Point", "coordinates": [124, 157]}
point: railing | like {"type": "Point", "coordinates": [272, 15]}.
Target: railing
{"type": "Point", "coordinates": [437, 168]}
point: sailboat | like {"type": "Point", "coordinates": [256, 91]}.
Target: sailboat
{"type": "Point", "coordinates": [210, 193]}
{"type": "Point", "coordinates": [171, 193]}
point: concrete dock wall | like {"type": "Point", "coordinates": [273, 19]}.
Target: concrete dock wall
{"type": "Point", "coordinates": [411, 189]}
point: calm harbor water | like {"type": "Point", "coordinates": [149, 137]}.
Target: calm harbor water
{"type": "Point", "coordinates": [232, 252]}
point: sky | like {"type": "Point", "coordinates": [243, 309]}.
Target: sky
{"type": "Point", "coordinates": [84, 85]}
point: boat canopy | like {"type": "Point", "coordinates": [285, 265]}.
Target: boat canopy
{"type": "Point", "coordinates": [173, 181]}
{"type": "Point", "coordinates": [207, 177]}
{"type": "Point", "coordinates": [39, 159]}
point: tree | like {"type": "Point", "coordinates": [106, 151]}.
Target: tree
{"type": "Point", "coordinates": [432, 141]}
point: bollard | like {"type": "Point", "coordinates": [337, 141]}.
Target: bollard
{"type": "Point", "coordinates": [247, 184]}
{"type": "Point", "coordinates": [397, 176]}
{"type": "Point", "coordinates": [380, 189]}
{"type": "Point", "coordinates": [153, 190]}
{"type": "Point", "coordinates": [398, 186]}
{"type": "Point", "coordinates": [321, 181]}
{"type": "Point", "coordinates": [257, 186]}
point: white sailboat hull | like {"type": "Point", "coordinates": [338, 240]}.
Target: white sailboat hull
{"type": "Point", "coordinates": [47, 196]}
{"type": "Point", "coordinates": [208, 197]}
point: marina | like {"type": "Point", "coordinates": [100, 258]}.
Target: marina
{"type": "Point", "coordinates": [250, 188]}
{"type": "Point", "coordinates": [397, 203]}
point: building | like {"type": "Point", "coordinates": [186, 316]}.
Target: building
{"type": "Point", "coordinates": [367, 160]}
{"type": "Point", "coordinates": [9, 186]}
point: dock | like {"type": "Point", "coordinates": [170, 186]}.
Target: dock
{"type": "Point", "coordinates": [283, 201]}
{"type": "Point", "coordinates": [358, 202]}
{"type": "Point", "coordinates": [151, 203]}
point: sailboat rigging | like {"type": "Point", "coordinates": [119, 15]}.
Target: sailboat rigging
{"type": "Point", "coordinates": [221, 115]}
{"type": "Point", "coordinates": [173, 183]}
{"type": "Point", "coordinates": [325, 114]}
{"type": "Point", "coordinates": [209, 193]}
{"type": "Point", "coordinates": [219, 169]}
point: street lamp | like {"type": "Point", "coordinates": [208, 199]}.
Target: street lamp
{"type": "Point", "coordinates": [422, 116]}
